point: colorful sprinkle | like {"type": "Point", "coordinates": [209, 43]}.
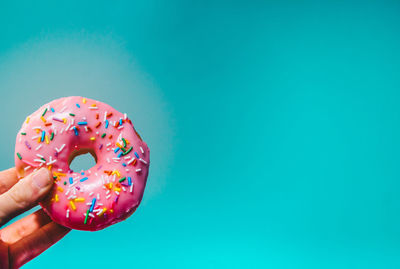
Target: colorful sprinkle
{"type": "Point", "coordinates": [19, 156]}
{"type": "Point", "coordinates": [44, 113]}
{"type": "Point", "coordinates": [84, 179]}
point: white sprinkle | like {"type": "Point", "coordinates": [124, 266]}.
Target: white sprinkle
{"type": "Point", "coordinates": [67, 213]}
{"type": "Point", "coordinates": [127, 157]}
{"type": "Point", "coordinates": [34, 137]}
{"type": "Point", "coordinates": [86, 129]}
{"type": "Point", "coordinates": [126, 169]}
{"type": "Point", "coordinates": [91, 215]}
{"type": "Point", "coordinates": [143, 161]}
{"type": "Point", "coordinates": [117, 192]}
{"type": "Point", "coordinates": [93, 107]}
{"type": "Point", "coordinates": [108, 144]}
{"type": "Point", "coordinates": [141, 149]}
{"type": "Point", "coordinates": [71, 197]}
{"type": "Point", "coordinates": [66, 194]}
{"type": "Point", "coordinates": [38, 147]}
{"type": "Point", "coordinates": [105, 115]}
{"type": "Point", "coordinates": [100, 204]}
{"type": "Point", "coordinates": [138, 170]}
{"type": "Point", "coordinates": [108, 160]}
{"type": "Point", "coordinates": [59, 169]}
{"type": "Point", "coordinates": [90, 194]}
{"type": "Point", "coordinates": [108, 196]}
{"type": "Point", "coordinates": [107, 192]}
{"type": "Point", "coordinates": [61, 148]}
{"type": "Point", "coordinates": [125, 116]}
{"type": "Point", "coordinates": [62, 110]}
{"type": "Point", "coordinates": [51, 162]}
{"type": "Point", "coordinates": [62, 130]}
{"type": "Point", "coordinates": [130, 161]}
{"type": "Point", "coordinates": [123, 188]}
{"type": "Point", "coordinates": [98, 196]}
{"type": "Point", "coordinates": [39, 160]}
{"type": "Point", "coordinates": [120, 127]}
{"type": "Point", "coordinates": [37, 127]}
{"type": "Point", "coordinates": [131, 189]}
{"type": "Point", "coordinates": [27, 167]}
{"type": "Point", "coordinates": [72, 122]}
{"type": "Point", "coordinates": [40, 156]}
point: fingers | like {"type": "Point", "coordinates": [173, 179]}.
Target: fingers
{"type": "Point", "coordinates": [31, 246]}
{"type": "Point", "coordinates": [25, 194]}
{"type": "Point", "coordinates": [24, 227]}
{"type": "Point", "coordinates": [7, 179]}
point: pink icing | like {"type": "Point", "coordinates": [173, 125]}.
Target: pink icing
{"type": "Point", "coordinates": [101, 196]}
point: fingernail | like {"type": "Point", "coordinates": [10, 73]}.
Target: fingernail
{"type": "Point", "coordinates": [41, 178]}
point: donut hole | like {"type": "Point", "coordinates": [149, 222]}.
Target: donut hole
{"type": "Point", "coordinates": [82, 159]}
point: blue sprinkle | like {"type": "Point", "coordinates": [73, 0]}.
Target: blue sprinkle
{"type": "Point", "coordinates": [120, 121]}
{"type": "Point", "coordinates": [129, 181]}
{"type": "Point", "coordinates": [120, 154]}
{"type": "Point", "coordinates": [83, 179]}
{"type": "Point", "coordinates": [116, 149]}
{"type": "Point", "coordinates": [82, 173]}
{"type": "Point", "coordinates": [52, 109]}
{"type": "Point", "coordinates": [82, 123]}
{"type": "Point", "coordinates": [76, 131]}
{"type": "Point", "coordinates": [106, 124]}
{"type": "Point", "coordinates": [78, 105]}
{"type": "Point", "coordinates": [71, 180]}
{"type": "Point", "coordinates": [42, 138]}
{"type": "Point", "coordinates": [92, 206]}
{"type": "Point", "coordinates": [124, 164]}
{"type": "Point", "coordinates": [137, 155]}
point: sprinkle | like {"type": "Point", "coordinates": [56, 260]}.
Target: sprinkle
{"type": "Point", "coordinates": [27, 119]}
{"type": "Point", "coordinates": [129, 150]}
{"type": "Point", "coordinates": [143, 161]}
{"type": "Point", "coordinates": [138, 170]}
{"type": "Point", "coordinates": [67, 213]}
{"type": "Point", "coordinates": [27, 167]}
{"type": "Point", "coordinates": [83, 179]}
{"type": "Point", "coordinates": [52, 109]}
{"type": "Point", "coordinates": [93, 204]}
{"type": "Point", "coordinates": [129, 181]}
{"type": "Point", "coordinates": [120, 121]}
{"type": "Point", "coordinates": [52, 136]}
{"type": "Point", "coordinates": [131, 160]}
{"type": "Point", "coordinates": [75, 130]}
{"type": "Point", "coordinates": [124, 141]}
{"type": "Point", "coordinates": [120, 154]}
{"type": "Point", "coordinates": [71, 114]}
{"type": "Point", "coordinates": [122, 179]}
{"type": "Point", "coordinates": [43, 119]}
{"type": "Point", "coordinates": [72, 205]}
{"type": "Point", "coordinates": [56, 198]}
{"type": "Point", "coordinates": [82, 123]}
{"type": "Point", "coordinates": [19, 156]}
{"type": "Point", "coordinates": [57, 119]}
{"type": "Point", "coordinates": [103, 135]}
{"type": "Point", "coordinates": [109, 114]}
{"type": "Point", "coordinates": [27, 144]}
{"type": "Point", "coordinates": [78, 105]}
{"type": "Point", "coordinates": [44, 113]}
{"type": "Point", "coordinates": [47, 139]}
{"type": "Point", "coordinates": [125, 116]}
{"type": "Point", "coordinates": [93, 138]}
{"type": "Point", "coordinates": [42, 137]}
{"type": "Point", "coordinates": [107, 124]}
{"type": "Point", "coordinates": [23, 133]}
{"type": "Point", "coordinates": [141, 149]}
{"type": "Point", "coordinates": [84, 100]}
{"type": "Point", "coordinates": [131, 189]}
{"type": "Point", "coordinates": [71, 180]}
{"type": "Point", "coordinates": [79, 199]}
{"type": "Point", "coordinates": [60, 189]}
{"type": "Point", "coordinates": [87, 214]}
{"type": "Point", "coordinates": [116, 150]}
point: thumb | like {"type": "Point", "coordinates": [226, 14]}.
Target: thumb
{"type": "Point", "coordinates": [25, 194]}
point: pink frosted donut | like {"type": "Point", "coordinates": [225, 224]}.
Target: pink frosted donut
{"type": "Point", "coordinates": [105, 194]}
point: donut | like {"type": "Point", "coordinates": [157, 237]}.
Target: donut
{"type": "Point", "coordinates": [103, 195]}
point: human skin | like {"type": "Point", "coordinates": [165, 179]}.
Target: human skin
{"type": "Point", "coordinates": [28, 237]}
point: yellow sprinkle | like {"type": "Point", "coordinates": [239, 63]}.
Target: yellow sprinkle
{"type": "Point", "coordinates": [43, 119]}
{"type": "Point", "coordinates": [117, 189]}
{"type": "Point", "coordinates": [58, 174]}
{"type": "Point", "coordinates": [56, 198]}
{"type": "Point", "coordinates": [72, 205]}
{"type": "Point", "coordinates": [27, 119]}
{"type": "Point", "coordinates": [84, 100]}
{"type": "Point", "coordinates": [94, 105]}
{"type": "Point", "coordinates": [64, 120]}
{"type": "Point", "coordinates": [93, 138]}
{"type": "Point", "coordinates": [127, 141]}
{"type": "Point", "coordinates": [102, 212]}
{"type": "Point", "coordinates": [116, 172]}
{"type": "Point", "coordinates": [79, 199]}
{"type": "Point", "coordinates": [109, 185]}
{"type": "Point", "coordinates": [37, 131]}
{"type": "Point", "coordinates": [47, 139]}
{"type": "Point", "coordinates": [118, 144]}
{"type": "Point", "coordinates": [38, 140]}
{"type": "Point", "coordinates": [60, 189]}
{"type": "Point", "coordinates": [111, 211]}
{"type": "Point", "coordinates": [49, 167]}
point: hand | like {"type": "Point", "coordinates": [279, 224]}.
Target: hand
{"type": "Point", "coordinates": [25, 239]}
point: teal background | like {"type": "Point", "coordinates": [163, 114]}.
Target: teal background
{"type": "Point", "coordinates": [273, 125]}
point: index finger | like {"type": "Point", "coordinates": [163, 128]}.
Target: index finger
{"type": "Point", "coordinates": [8, 178]}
